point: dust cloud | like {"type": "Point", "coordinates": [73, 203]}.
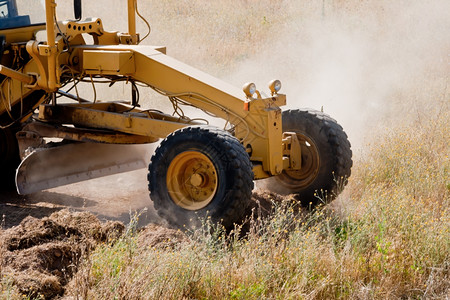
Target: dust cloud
{"type": "Point", "coordinates": [366, 63]}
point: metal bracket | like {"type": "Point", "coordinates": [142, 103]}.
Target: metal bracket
{"type": "Point", "coordinates": [292, 149]}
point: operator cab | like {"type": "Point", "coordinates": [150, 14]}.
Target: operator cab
{"type": "Point", "coordinates": [26, 13]}
{"type": "Point", "coordinates": [9, 17]}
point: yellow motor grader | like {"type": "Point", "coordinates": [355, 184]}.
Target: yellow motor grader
{"type": "Point", "coordinates": [51, 136]}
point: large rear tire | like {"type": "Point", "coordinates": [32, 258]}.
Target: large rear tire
{"type": "Point", "coordinates": [199, 172]}
{"type": "Point", "coordinates": [326, 158]}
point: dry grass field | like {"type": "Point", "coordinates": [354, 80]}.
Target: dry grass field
{"type": "Point", "coordinates": [386, 237]}
{"type": "Point", "coordinates": [382, 69]}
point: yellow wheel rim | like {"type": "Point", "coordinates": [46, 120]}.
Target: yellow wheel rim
{"type": "Point", "coordinates": [310, 163]}
{"type": "Point", "coordinates": [192, 180]}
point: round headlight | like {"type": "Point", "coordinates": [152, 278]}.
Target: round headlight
{"type": "Point", "coordinates": [275, 86]}
{"type": "Point", "coordinates": [249, 89]}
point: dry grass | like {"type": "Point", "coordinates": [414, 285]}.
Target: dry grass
{"type": "Point", "coordinates": [386, 237]}
{"type": "Point", "coordinates": [393, 242]}
{"type": "Point", "coordinates": [390, 240]}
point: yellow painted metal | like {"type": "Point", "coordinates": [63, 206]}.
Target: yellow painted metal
{"type": "Point", "coordinates": [105, 116]}
{"type": "Point", "coordinates": [38, 64]}
{"type": "Point", "coordinates": [50, 49]}
{"type": "Point", "coordinates": [274, 133]}
{"type": "Point", "coordinates": [109, 62]}
{"type": "Point", "coordinates": [72, 29]}
{"type": "Point", "coordinates": [132, 18]}
{"type": "Point", "coordinates": [292, 151]}
{"type": "Point", "coordinates": [17, 35]}
{"type": "Point", "coordinates": [13, 90]}
{"type": "Point", "coordinates": [27, 79]}
{"type": "Point", "coordinates": [85, 134]}
{"type": "Point", "coordinates": [192, 180]}
{"type": "Point", "coordinates": [258, 171]}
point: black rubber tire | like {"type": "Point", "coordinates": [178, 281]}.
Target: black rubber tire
{"type": "Point", "coordinates": [9, 158]}
{"type": "Point", "coordinates": [234, 174]}
{"type": "Point", "coordinates": [334, 154]}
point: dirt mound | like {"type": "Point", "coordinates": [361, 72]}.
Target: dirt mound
{"type": "Point", "coordinates": [266, 199]}
{"type": "Point", "coordinates": [39, 256]}
{"type": "Point", "coordinates": [155, 236]}
{"type": "Point", "coordinates": [264, 202]}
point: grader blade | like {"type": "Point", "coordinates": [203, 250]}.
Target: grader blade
{"type": "Point", "coordinates": [52, 167]}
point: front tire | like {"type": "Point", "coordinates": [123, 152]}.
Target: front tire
{"type": "Point", "coordinates": [200, 171]}
{"type": "Point", "coordinates": [326, 158]}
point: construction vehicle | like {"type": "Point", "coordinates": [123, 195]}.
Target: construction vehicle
{"type": "Point", "coordinates": [51, 136]}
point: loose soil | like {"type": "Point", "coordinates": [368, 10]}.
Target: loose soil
{"type": "Point", "coordinates": [45, 235]}
{"type": "Point", "coordinates": [116, 197]}
{"type": "Point", "coordinates": [39, 256]}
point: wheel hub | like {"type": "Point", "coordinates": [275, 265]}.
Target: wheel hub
{"type": "Point", "coordinates": [192, 180]}
{"type": "Point", "coordinates": [310, 165]}
{"type": "Point", "coordinates": [197, 180]}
